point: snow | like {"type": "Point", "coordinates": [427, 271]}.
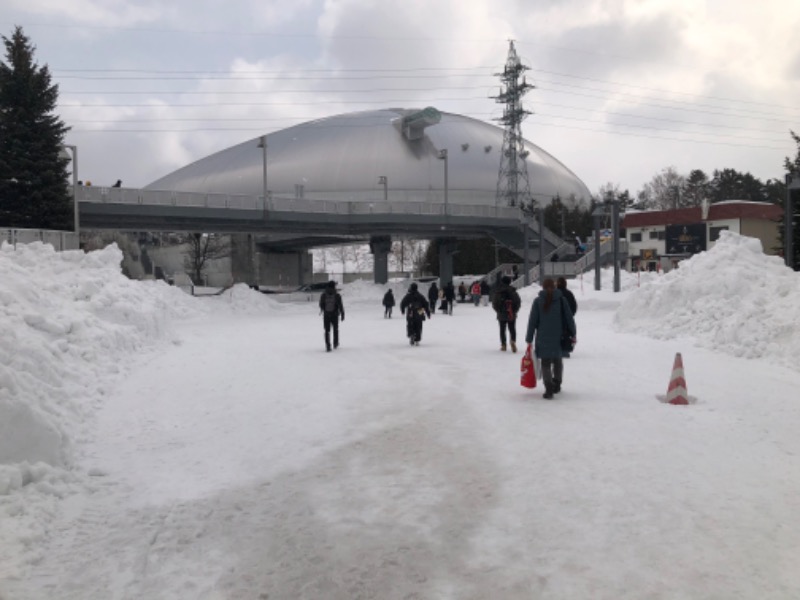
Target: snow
{"type": "Point", "coordinates": [162, 446]}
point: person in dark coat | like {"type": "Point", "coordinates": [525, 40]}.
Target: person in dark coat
{"type": "Point", "coordinates": [550, 314]}
{"type": "Point", "coordinates": [561, 284]}
{"type": "Point", "coordinates": [415, 307]}
{"type": "Point", "coordinates": [331, 307]}
{"type": "Point", "coordinates": [462, 292]}
{"type": "Point", "coordinates": [433, 296]}
{"type": "Point", "coordinates": [506, 304]}
{"type": "Point", "coordinates": [449, 296]}
{"type": "Point", "coordinates": [388, 303]}
{"type": "Point", "coordinates": [486, 290]}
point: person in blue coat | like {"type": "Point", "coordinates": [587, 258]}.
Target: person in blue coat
{"type": "Point", "coordinates": [549, 316]}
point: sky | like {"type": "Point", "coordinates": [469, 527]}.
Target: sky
{"type": "Point", "coordinates": [163, 446]}
{"type": "Point", "coordinates": [624, 88]}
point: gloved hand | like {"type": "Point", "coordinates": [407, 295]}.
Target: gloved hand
{"type": "Point", "coordinates": [342, 317]}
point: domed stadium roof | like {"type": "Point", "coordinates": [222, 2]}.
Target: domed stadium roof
{"type": "Point", "coordinates": [342, 158]}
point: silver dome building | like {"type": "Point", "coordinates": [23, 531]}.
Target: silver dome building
{"type": "Point", "coordinates": [342, 158]}
{"type": "Point", "coordinates": [383, 173]}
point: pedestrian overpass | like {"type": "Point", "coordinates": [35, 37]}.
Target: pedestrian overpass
{"type": "Point", "coordinates": [284, 222]}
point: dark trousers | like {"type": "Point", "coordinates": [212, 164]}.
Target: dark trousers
{"type": "Point", "coordinates": [512, 330]}
{"type": "Point", "coordinates": [387, 313]}
{"type": "Point", "coordinates": [414, 328]}
{"type": "Point", "coordinates": [331, 321]}
{"type": "Point", "coordinates": [552, 372]}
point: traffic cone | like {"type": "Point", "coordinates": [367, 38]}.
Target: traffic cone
{"type": "Point", "coordinates": [676, 392]}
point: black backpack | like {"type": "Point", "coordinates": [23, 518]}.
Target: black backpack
{"type": "Point", "coordinates": [330, 303]}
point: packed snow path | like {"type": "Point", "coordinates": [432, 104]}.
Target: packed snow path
{"type": "Point", "coordinates": [245, 462]}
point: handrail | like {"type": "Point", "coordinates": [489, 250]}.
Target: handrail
{"type": "Point", "coordinates": [333, 204]}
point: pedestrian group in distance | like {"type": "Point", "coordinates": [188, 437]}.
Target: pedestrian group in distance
{"type": "Point", "coordinates": [551, 329]}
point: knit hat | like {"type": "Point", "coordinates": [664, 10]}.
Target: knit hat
{"type": "Point", "coordinates": [412, 287]}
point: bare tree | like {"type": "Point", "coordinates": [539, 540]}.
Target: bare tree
{"type": "Point", "coordinates": [201, 248]}
{"type": "Point", "coordinates": [663, 192]}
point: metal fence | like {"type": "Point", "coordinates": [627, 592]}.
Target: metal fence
{"type": "Point", "coordinates": [60, 240]}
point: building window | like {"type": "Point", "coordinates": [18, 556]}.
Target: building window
{"type": "Point", "coordinates": [713, 233]}
{"type": "Point", "coordinates": [636, 237]}
{"type": "Point", "coordinates": [657, 235]}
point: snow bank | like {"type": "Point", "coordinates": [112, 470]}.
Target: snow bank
{"type": "Point", "coordinates": [733, 298]}
{"type": "Point", "coordinates": [67, 320]}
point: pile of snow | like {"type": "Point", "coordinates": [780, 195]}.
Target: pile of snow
{"type": "Point", "coordinates": [733, 298]}
{"type": "Point", "coordinates": [67, 321]}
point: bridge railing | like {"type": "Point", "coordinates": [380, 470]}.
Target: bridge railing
{"type": "Point", "coordinates": [103, 195]}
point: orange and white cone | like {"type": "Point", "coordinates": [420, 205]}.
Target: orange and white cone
{"type": "Point", "coordinates": [676, 392]}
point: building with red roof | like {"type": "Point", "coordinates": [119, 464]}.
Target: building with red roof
{"type": "Point", "coordinates": [660, 239]}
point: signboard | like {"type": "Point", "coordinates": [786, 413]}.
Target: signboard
{"type": "Point", "coordinates": [686, 239]}
{"type": "Point", "coordinates": [648, 254]}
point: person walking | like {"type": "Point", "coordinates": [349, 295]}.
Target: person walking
{"type": "Point", "coordinates": [415, 307]}
{"type": "Point", "coordinates": [388, 304]}
{"type": "Point", "coordinates": [433, 296]}
{"type": "Point", "coordinates": [561, 284]}
{"type": "Point", "coordinates": [486, 291]}
{"type": "Point", "coordinates": [549, 317]}
{"type": "Point", "coordinates": [506, 304]}
{"type": "Point", "coordinates": [476, 292]}
{"type": "Point", "coordinates": [331, 307]}
{"type": "Point", "coordinates": [449, 297]}
{"type": "Point", "coordinates": [462, 292]}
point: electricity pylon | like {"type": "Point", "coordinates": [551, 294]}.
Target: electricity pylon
{"type": "Point", "coordinates": [513, 187]}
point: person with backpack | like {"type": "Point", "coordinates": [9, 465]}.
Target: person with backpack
{"type": "Point", "coordinates": [388, 304]}
{"type": "Point", "coordinates": [550, 316]}
{"type": "Point", "coordinates": [433, 296]}
{"type": "Point", "coordinates": [449, 296]}
{"type": "Point", "coordinates": [415, 307]}
{"type": "Point", "coordinates": [331, 307]}
{"type": "Point", "coordinates": [506, 304]}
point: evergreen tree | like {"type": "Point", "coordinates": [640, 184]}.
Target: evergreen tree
{"type": "Point", "coordinates": [696, 188]}
{"type": "Point", "coordinates": [33, 172]}
{"type": "Point", "coordinates": [730, 184]}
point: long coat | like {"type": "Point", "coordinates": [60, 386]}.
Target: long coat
{"type": "Point", "coordinates": [547, 326]}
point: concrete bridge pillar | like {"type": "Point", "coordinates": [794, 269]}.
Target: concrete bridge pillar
{"type": "Point", "coordinates": [380, 246]}
{"type": "Point", "coordinates": [447, 249]}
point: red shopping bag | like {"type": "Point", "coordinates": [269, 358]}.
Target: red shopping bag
{"type": "Point", "coordinates": [527, 375]}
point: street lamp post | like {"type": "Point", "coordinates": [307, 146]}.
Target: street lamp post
{"type": "Point", "coordinates": [76, 217]}
{"type": "Point", "coordinates": [443, 156]}
{"type": "Point", "coordinates": [262, 143]}
{"type": "Point", "coordinates": [792, 183]}
{"type": "Point", "coordinates": [597, 214]}
{"type": "Point", "coordinates": [384, 181]}
{"type": "Point", "coordinates": [615, 233]}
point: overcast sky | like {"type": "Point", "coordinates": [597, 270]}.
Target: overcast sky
{"type": "Point", "coordinates": [624, 88]}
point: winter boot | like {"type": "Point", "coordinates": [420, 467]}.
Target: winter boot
{"type": "Point", "coordinates": [548, 392]}
{"type": "Point", "coordinates": [513, 346]}
{"type": "Point", "coordinates": [556, 386]}
{"type": "Point", "coordinates": [503, 348]}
